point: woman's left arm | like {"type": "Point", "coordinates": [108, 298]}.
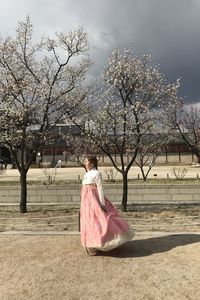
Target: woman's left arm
{"type": "Point", "coordinates": [98, 181]}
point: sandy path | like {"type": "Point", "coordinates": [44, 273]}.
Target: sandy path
{"type": "Point", "coordinates": [150, 267]}
{"type": "Point", "coordinates": [77, 173]}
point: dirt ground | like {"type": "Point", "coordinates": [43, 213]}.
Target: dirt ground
{"type": "Point", "coordinates": [46, 261]}
{"type": "Point", "coordinates": [41, 257]}
{"type": "Point", "coordinates": [56, 267]}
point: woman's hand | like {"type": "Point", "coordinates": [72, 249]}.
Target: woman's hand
{"type": "Point", "coordinates": [103, 207]}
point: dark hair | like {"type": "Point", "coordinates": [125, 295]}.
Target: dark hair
{"type": "Point", "coordinates": [93, 160]}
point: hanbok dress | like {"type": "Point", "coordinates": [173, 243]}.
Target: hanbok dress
{"type": "Point", "coordinates": [100, 230]}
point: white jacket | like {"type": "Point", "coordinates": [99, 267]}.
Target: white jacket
{"type": "Point", "coordinates": [93, 176]}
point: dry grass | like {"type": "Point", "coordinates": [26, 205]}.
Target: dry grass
{"type": "Point", "coordinates": [143, 218]}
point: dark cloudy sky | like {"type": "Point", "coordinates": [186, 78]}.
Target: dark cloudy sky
{"type": "Point", "coordinates": [167, 29]}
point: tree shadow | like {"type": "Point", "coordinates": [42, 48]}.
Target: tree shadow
{"type": "Point", "coordinates": [146, 247]}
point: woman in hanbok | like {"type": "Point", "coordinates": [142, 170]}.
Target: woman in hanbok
{"type": "Point", "coordinates": [100, 224]}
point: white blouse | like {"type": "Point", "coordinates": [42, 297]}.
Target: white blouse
{"type": "Point", "coordinates": [93, 176]}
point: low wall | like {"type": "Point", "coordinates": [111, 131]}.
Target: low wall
{"type": "Point", "coordinates": [70, 194]}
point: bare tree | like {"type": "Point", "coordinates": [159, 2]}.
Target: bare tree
{"type": "Point", "coordinates": [39, 82]}
{"type": "Point", "coordinates": [133, 92]}
{"type": "Point", "coordinates": [152, 145]}
{"type": "Point", "coordinates": [146, 159]}
{"type": "Point", "coordinates": [184, 121]}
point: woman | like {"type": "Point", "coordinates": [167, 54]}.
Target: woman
{"type": "Point", "coordinates": [101, 226]}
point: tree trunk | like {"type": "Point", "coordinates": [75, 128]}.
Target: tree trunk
{"type": "Point", "coordinates": [198, 158]}
{"type": "Point", "coordinates": [196, 151]}
{"type": "Point", "coordinates": [125, 192]}
{"type": "Point", "coordinates": [143, 174]}
{"type": "Point", "coordinates": [23, 184]}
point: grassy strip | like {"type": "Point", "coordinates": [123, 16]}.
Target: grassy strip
{"type": "Point", "coordinates": [130, 181]}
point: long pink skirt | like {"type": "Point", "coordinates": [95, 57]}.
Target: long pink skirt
{"type": "Point", "coordinates": [101, 230]}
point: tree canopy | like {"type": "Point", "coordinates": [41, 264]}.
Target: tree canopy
{"type": "Point", "coordinates": [39, 82]}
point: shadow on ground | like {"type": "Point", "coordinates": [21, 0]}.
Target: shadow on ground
{"type": "Point", "coordinates": [146, 247]}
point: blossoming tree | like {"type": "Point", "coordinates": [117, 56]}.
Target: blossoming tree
{"type": "Point", "coordinates": [129, 104]}
{"type": "Point", "coordinates": [77, 147]}
{"type": "Point", "coordinates": [39, 82]}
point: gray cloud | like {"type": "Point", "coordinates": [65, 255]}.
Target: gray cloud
{"type": "Point", "coordinates": [169, 30]}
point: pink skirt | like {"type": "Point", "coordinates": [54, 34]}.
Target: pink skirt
{"type": "Point", "coordinates": [101, 230]}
